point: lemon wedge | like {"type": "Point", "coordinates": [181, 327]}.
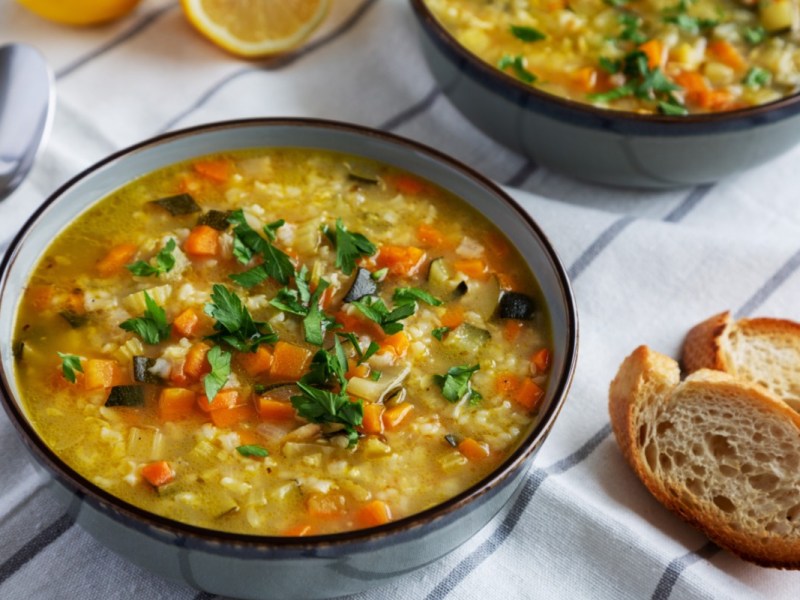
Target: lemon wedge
{"type": "Point", "coordinates": [255, 28]}
{"type": "Point", "coordinates": [80, 12]}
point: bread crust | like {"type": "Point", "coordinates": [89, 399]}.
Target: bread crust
{"type": "Point", "coordinates": [647, 380]}
{"type": "Point", "coordinates": [702, 348]}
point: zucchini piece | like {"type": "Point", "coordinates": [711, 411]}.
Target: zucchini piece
{"type": "Point", "coordinates": [126, 395]}
{"type": "Point", "coordinates": [141, 370]}
{"type": "Point", "coordinates": [363, 285]}
{"type": "Point", "coordinates": [74, 319]}
{"type": "Point", "coordinates": [182, 204]}
{"type": "Point", "coordinates": [216, 219]}
{"type": "Point", "coordinates": [461, 289]}
{"type": "Point", "coordinates": [514, 305]}
{"type": "Point", "coordinates": [363, 171]}
{"type": "Point", "coordinates": [482, 297]}
{"type": "Point", "coordinates": [440, 277]}
{"type": "Point", "coordinates": [279, 391]}
{"type": "Point", "coordinates": [18, 350]}
{"type": "Point", "coordinates": [466, 341]}
{"type": "Point", "coordinates": [376, 391]}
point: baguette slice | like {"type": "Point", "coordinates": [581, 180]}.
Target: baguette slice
{"type": "Point", "coordinates": [722, 453]}
{"type": "Point", "coordinates": [764, 351]}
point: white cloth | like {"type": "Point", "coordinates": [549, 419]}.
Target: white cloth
{"type": "Point", "coordinates": [645, 267]}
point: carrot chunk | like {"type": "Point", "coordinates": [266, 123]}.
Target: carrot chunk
{"type": "Point", "coordinates": [215, 170]}
{"type": "Point", "coordinates": [195, 365]}
{"type": "Point", "coordinates": [373, 514]}
{"type": "Point", "coordinates": [401, 260]}
{"type": "Point", "coordinates": [203, 242]}
{"type": "Point", "coordinates": [289, 362]}
{"type": "Point", "coordinates": [356, 370]}
{"type": "Point", "coordinates": [728, 54]}
{"type": "Point", "coordinates": [541, 360]}
{"type": "Point", "coordinates": [158, 473]}
{"type": "Point", "coordinates": [429, 235]}
{"type": "Point", "coordinates": [528, 394]}
{"type": "Point", "coordinates": [507, 384]}
{"type": "Point", "coordinates": [116, 258]}
{"type": "Point", "coordinates": [325, 505]}
{"type": "Point", "coordinates": [185, 324]}
{"type": "Point", "coordinates": [224, 399]}
{"type": "Point", "coordinates": [397, 343]}
{"type": "Point", "coordinates": [395, 415]}
{"type": "Point", "coordinates": [39, 296]}
{"type": "Point", "coordinates": [453, 317]}
{"type": "Point", "coordinates": [585, 78]}
{"type": "Point", "coordinates": [373, 418]}
{"type": "Point", "coordinates": [654, 50]}
{"type": "Point", "coordinates": [473, 450]}
{"type": "Point", "coordinates": [512, 329]}
{"type": "Point", "coordinates": [100, 373]}
{"type": "Point", "coordinates": [255, 363]}
{"type": "Point", "coordinates": [175, 404]}
{"type": "Point", "coordinates": [274, 410]}
{"type": "Point", "coordinates": [472, 267]}
{"type": "Point", "coordinates": [406, 184]}
{"type": "Point", "coordinates": [228, 417]}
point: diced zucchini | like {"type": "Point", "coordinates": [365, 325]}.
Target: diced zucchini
{"type": "Point", "coordinates": [363, 285]}
{"type": "Point", "coordinates": [466, 341]}
{"type": "Point", "coordinates": [141, 370]}
{"type": "Point", "coordinates": [514, 305]}
{"type": "Point", "coordinates": [439, 278]}
{"type": "Point", "coordinates": [126, 395]}
{"type": "Point", "coordinates": [18, 350]}
{"type": "Point", "coordinates": [364, 171]}
{"type": "Point", "coordinates": [482, 297]}
{"type": "Point", "coordinates": [307, 237]}
{"type": "Point", "coordinates": [74, 319]}
{"type": "Point", "coordinates": [182, 204]}
{"type": "Point", "coordinates": [217, 219]}
{"type": "Point", "coordinates": [135, 303]}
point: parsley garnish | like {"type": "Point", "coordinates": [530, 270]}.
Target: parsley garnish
{"type": "Point", "coordinates": [164, 262]}
{"type": "Point", "coordinates": [220, 362]}
{"type": "Point", "coordinates": [152, 327]}
{"type": "Point", "coordinates": [406, 295]}
{"type": "Point", "coordinates": [375, 375]}
{"type": "Point", "coordinates": [326, 366]}
{"type": "Point", "coordinates": [303, 303]}
{"type": "Point", "coordinates": [757, 77]}
{"type": "Point", "coordinates": [440, 332]}
{"type": "Point", "coordinates": [362, 355]}
{"type": "Point", "coordinates": [610, 66]}
{"type": "Point", "coordinates": [455, 383]}
{"type": "Point", "coordinates": [234, 324]}
{"type": "Point", "coordinates": [380, 274]}
{"type": "Point", "coordinates": [322, 406]}
{"type": "Point", "coordinates": [755, 35]}
{"type": "Point", "coordinates": [247, 243]}
{"type": "Point", "coordinates": [616, 3]}
{"type": "Point", "coordinates": [668, 108]}
{"type": "Point", "coordinates": [350, 246]}
{"type": "Point", "coordinates": [253, 450]}
{"type": "Point", "coordinates": [527, 34]}
{"type": "Point", "coordinates": [517, 64]}
{"type": "Point", "coordinates": [69, 364]}
{"type": "Point", "coordinates": [691, 25]}
{"type": "Point", "coordinates": [374, 309]}
{"type": "Point", "coordinates": [630, 28]}
{"type": "Point", "coordinates": [643, 82]}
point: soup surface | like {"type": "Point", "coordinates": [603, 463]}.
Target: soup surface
{"type": "Point", "coordinates": [673, 57]}
{"type": "Point", "coordinates": [282, 342]}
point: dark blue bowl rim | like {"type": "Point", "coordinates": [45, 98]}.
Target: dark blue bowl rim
{"type": "Point", "coordinates": [257, 546]}
{"type": "Point", "coordinates": [587, 115]}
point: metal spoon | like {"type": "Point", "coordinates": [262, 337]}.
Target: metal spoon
{"type": "Point", "coordinates": [27, 97]}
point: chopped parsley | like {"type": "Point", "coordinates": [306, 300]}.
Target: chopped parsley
{"type": "Point", "coordinates": [302, 303]}
{"type": "Point", "coordinates": [375, 375]}
{"type": "Point", "coordinates": [152, 327]}
{"type": "Point", "coordinates": [350, 246]}
{"type": "Point", "coordinates": [671, 109]}
{"type": "Point", "coordinates": [380, 274]}
{"type": "Point", "coordinates": [616, 3]}
{"type": "Point", "coordinates": [517, 64]}
{"type": "Point", "coordinates": [754, 35]}
{"type": "Point", "coordinates": [323, 406]}
{"type": "Point", "coordinates": [757, 77]}
{"type": "Point", "coordinates": [328, 367]}
{"type": "Point", "coordinates": [527, 34]}
{"type": "Point", "coordinates": [164, 262]}
{"type": "Point", "coordinates": [440, 332]}
{"type": "Point", "coordinates": [253, 450]}
{"type": "Point", "coordinates": [455, 383]}
{"type": "Point", "coordinates": [374, 309]}
{"type": "Point", "coordinates": [410, 295]}
{"type": "Point", "coordinates": [610, 66]}
{"type": "Point", "coordinates": [220, 362]}
{"type": "Point", "coordinates": [362, 355]}
{"type": "Point", "coordinates": [234, 325]}
{"type": "Point", "coordinates": [248, 243]}
{"type": "Point", "coordinates": [691, 25]}
{"type": "Point", "coordinates": [630, 28]}
{"type": "Point", "coordinates": [69, 364]}
{"type": "Point", "coordinates": [643, 82]}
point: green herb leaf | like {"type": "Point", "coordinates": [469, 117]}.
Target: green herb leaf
{"type": "Point", "coordinates": [322, 406]}
{"type": "Point", "coordinates": [755, 35]}
{"type": "Point", "coordinates": [234, 324]}
{"type": "Point", "coordinates": [405, 295]}
{"type": "Point", "coordinates": [527, 34]}
{"type": "Point", "coordinates": [630, 28]}
{"type": "Point", "coordinates": [616, 3]}
{"type": "Point", "coordinates": [380, 274]}
{"type": "Point", "coordinates": [247, 243]}
{"type": "Point", "coordinates": [440, 332]}
{"type": "Point", "coordinates": [691, 25]}
{"type": "Point", "coordinates": [669, 108]}
{"type": "Point", "coordinates": [220, 362]}
{"type": "Point", "coordinates": [362, 356]}
{"type": "Point", "coordinates": [271, 228]}
{"type": "Point", "coordinates": [374, 309]}
{"type": "Point", "coordinates": [328, 366]}
{"type": "Point", "coordinates": [164, 262]}
{"type": "Point", "coordinates": [455, 383]}
{"type": "Point", "coordinates": [517, 64]}
{"type": "Point", "coordinates": [610, 66]}
{"type": "Point", "coordinates": [250, 278]}
{"type": "Point", "coordinates": [618, 92]}
{"type": "Point", "coordinates": [757, 77]}
{"type": "Point", "coordinates": [253, 450]}
{"type": "Point", "coordinates": [375, 375]}
{"type": "Point", "coordinates": [152, 327]}
{"type": "Point", "coordinates": [349, 247]}
{"type": "Point", "coordinates": [315, 322]}
{"type": "Point", "coordinates": [69, 364]}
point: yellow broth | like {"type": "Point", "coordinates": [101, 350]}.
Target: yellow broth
{"type": "Point", "coordinates": [264, 456]}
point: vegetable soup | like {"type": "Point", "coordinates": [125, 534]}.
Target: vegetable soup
{"type": "Point", "coordinates": [282, 342]}
{"type": "Point", "coordinates": [673, 57]}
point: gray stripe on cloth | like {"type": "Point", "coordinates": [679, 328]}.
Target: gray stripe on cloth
{"type": "Point", "coordinates": [272, 65]}
{"type": "Point", "coordinates": [596, 247]}
{"type": "Point", "coordinates": [133, 31]}
{"type": "Point", "coordinates": [35, 546]}
{"type": "Point", "coordinates": [521, 176]}
{"type": "Point", "coordinates": [772, 284]}
{"type": "Point", "coordinates": [412, 111]}
{"type": "Point", "coordinates": [677, 566]}
{"type": "Point", "coordinates": [693, 199]}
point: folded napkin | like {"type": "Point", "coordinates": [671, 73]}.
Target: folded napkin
{"type": "Point", "coordinates": [645, 267]}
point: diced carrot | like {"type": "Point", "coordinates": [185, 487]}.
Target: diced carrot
{"type": "Point", "coordinates": [223, 400]}
{"type": "Point", "coordinates": [498, 245]}
{"type": "Point", "coordinates": [299, 530]}
{"type": "Point", "coordinates": [692, 82]}
{"type": "Point", "coordinates": [185, 324]}
{"type": "Point", "coordinates": [177, 376]}
{"type": "Point", "coordinates": [373, 514]}
{"type": "Point", "coordinates": [158, 473]}
{"type": "Point", "coordinates": [429, 235]}
{"type": "Point", "coordinates": [508, 281]}
{"type": "Point", "coordinates": [453, 317]}
{"type": "Point", "coordinates": [325, 505]}
{"type": "Point", "coordinates": [101, 373]}
{"type": "Point", "coordinates": [274, 410]}
{"type": "Point", "coordinates": [407, 184]}
{"type": "Point", "coordinates": [654, 50]}
{"type": "Point", "coordinates": [472, 267]}
{"type": "Point", "coordinates": [356, 370]}
{"type": "Point", "coordinates": [373, 418]}
{"type": "Point", "coordinates": [75, 301]}
{"type": "Point", "coordinates": [585, 78]}
{"type": "Point", "coordinates": [473, 450]}
{"type": "Point", "coordinates": [195, 365]}
{"type": "Point", "coordinates": [541, 360]}
{"type": "Point", "coordinates": [401, 260]}
{"type": "Point", "coordinates": [728, 54]}
{"type": "Point", "coordinates": [512, 329]}
{"type": "Point", "coordinates": [203, 242]}
{"type": "Point", "coordinates": [397, 343]}
{"type": "Point", "coordinates": [326, 298]}
{"type": "Point", "coordinates": [556, 5]}
{"type": "Point", "coordinates": [528, 394]}
{"type": "Point", "coordinates": [116, 258]}
{"type": "Point", "coordinates": [175, 404]}
{"type": "Point", "coordinates": [715, 100]}
{"type": "Point", "coordinates": [506, 384]}
{"type": "Point", "coordinates": [228, 417]}
{"type": "Point", "coordinates": [289, 362]}
{"type": "Point", "coordinates": [355, 322]}
{"type": "Point", "coordinates": [39, 296]}
{"type": "Point", "coordinates": [248, 437]}
{"type": "Point", "coordinates": [215, 170]}
{"type": "Point", "coordinates": [394, 416]}
{"type": "Point", "coordinates": [255, 363]}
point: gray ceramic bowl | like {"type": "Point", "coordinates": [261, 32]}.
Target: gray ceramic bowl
{"type": "Point", "coordinates": [272, 567]}
{"type": "Point", "coordinates": [604, 146]}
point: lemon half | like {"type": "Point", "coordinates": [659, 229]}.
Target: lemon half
{"type": "Point", "coordinates": [80, 12]}
{"type": "Point", "coordinates": [255, 28]}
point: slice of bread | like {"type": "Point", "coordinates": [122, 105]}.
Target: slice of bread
{"type": "Point", "coordinates": [722, 453]}
{"type": "Point", "coordinates": [764, 351]}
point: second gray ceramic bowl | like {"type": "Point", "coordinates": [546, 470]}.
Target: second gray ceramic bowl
{"type": "Point", "coordinates": [250, 566]}
{"type": "Point", "coordinates": [605, 146]}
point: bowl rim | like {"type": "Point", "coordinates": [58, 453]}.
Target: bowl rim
{"type": "Point", "coordinates": [215, 540]}
{"type": "Point", "coordinates": [604, 118]}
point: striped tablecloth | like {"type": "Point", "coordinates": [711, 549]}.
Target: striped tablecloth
{"type": "Point", "coordinates": [645, 267]}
